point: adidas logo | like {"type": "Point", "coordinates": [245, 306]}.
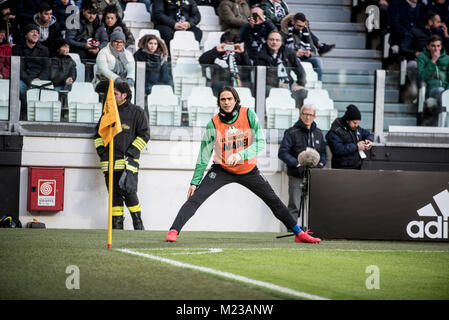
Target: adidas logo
{"type": "Point", "coordinates": [432, 229]}
{"type": "Point", "coordinates": [232, 130]}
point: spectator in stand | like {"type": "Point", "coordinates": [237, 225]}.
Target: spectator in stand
{"type": "Point", "coordinates": [433, 64]}
{"type": "Point", "coordinates": [275, 10]}
{"type": "Point", "coordinates": [403, 15]}
{"type": "Point", "coordinates": [225, 61]}
{"type": "Point", "coordinates": [114, 62]}
{"type": "Point", "coordinates": [233, 14]}
{"type": "Point", "coordinates": [49, 28]}
{"type": "Point", "coordinates": [103, 4]}
{"type": "Point", "coordinates": [148, 4]}
{"type": "Point", "coordinates": [26, 9]}
{"type": "Point", "coordinates": [34, 62]}
{"type": "Point", "coordinates": [414, 43]}
{"type": "Point", "coordinates": [90, 36]}
{"type": "Point", "coordinates": [111, 20]}
{"type": "Point", "coordinates": [62, 67]}
{"type": "Point", "coordinates": [170, 16]}
{"type": "Point", "coordinates": [60, 12]}
{"type": "Point", "coordinates": [153, 51]}
{"type": "Point", "coordinates": [12, 32]}
{"type": "Point", "coordinates": [254, 33]}
{"type": "Point", "coordinates": [5, 53]}
{"type": "Point", "coordinates": [297, 37]}
{"type": "Point", "coordinates": [280, 60]}
{"type": "Point", "coordinates": [440, 7]}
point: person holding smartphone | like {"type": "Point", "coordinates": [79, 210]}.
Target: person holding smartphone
{"type": "Point", "coordinates": [226, 61]}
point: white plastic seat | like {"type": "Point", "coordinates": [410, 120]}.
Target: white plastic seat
{"type": "Point", "coordinates": [311, 76]}
{"type": "Point", "coordinates": [4, 99]}
{"type": "Point", "coordinates": [246, 97]}
{"type": "Point", "coordinates": [187, 74]}
{"type": "Point", "coordinates": [281, 109]}
{"type": "Point", "coordinates": [201, 106]}
{"type": "Point", "coordinates": [80, 67]}
{"type": "Point", "coordinates": [325, 112]}
{"type": "Point", "coordinates": [184, 44]}
{"type": "Point", "coordinates": [83, 102]}
{"type": "Point", "coordinates": [43, 105]}
{"type": "Point", "coordinates": [209, 19]}
{"type": "Point", "coordinates": [136, 17]}
{"type": "Point", "coordinates": [163, 106]}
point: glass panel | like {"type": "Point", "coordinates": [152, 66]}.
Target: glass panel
{"type": "Point", "coordinates": [5, 68]}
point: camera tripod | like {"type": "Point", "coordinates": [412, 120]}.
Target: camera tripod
{"type": "Point", "coordinates": [303, 211]}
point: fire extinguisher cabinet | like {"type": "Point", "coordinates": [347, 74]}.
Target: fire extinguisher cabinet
{"type": "Point", "coordinates": [45, 189]}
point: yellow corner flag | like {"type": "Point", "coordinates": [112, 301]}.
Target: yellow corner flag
{"type": "Point", "coordinates": [110, 126]}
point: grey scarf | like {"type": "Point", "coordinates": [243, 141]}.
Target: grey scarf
{"type": "Point", "coordinates": [120, 62]}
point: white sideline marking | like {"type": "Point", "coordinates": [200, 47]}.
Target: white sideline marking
{"type": "Point", "coordinates": [227, 275]}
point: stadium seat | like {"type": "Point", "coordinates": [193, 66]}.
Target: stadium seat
{"type": "Point", "coordinates": [43, 105]}
{"type": "Point", "coordinates": [201, 106]}
{"type": "Point", "coordinates": [281, 109]}
{"type": "Point", "coordinates": [80, 67]}
{"type": "Point", "coordinates": [83, 102]}
{"type": "Point", "coordinates": [209, 19]}
{"type": "Point", "coordinates": [164, 107]}
{"type": "Point", "coordinates": [187, 74]}
{"type": "Point", "coordinates": [246, 97]}
{"type": "Point", "coordinates": [136, 17]}
{"type": "Point", "coordinates": [4, 99]}
{"type": "Point", "coordinates": [184, 44]}
{"type": "Point", "coordinates": [325, 112]}
{"type": "Point", "coordinates": [311, 76]}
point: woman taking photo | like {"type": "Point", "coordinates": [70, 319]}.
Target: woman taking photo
{"type": "Point", "coordinates": [153, 51]}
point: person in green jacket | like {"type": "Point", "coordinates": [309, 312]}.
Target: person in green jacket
{"type": "Point", "coordinates": [234, 138]}
{"type": "Point", "coordinates": [433, 66]}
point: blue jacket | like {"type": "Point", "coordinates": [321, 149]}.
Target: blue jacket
{"type": "Point", "coordinates": [343, 144]}
{"type": "Point", "coordinates": [297, 139]}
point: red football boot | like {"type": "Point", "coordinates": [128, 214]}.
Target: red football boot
{"type": "Point", "coordinates": [172, 236]}
{"type": "Point", "coordinates": [304, 236]}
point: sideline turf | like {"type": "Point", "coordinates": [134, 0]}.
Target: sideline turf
{"type": "Point", "coordinates": [33, 266]}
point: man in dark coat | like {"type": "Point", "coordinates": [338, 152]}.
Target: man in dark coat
{"type": "Point", "coordinates": [34, 62]}
{"type": "Point", "coordinates": [171, 16]}
{"type": "Point", "coordinates": [304, 134]}
{"type": "Point", "coordinates": [347, 140]}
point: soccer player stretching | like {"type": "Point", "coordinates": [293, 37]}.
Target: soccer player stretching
{"type": "Point", "coordinates": [235, 138]}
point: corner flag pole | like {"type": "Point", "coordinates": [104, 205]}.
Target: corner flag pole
{"type": "Point", "coordinates": [110, 125]}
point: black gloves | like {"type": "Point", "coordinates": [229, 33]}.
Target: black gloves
{"type": "Point", "coordinates": [128, 180]}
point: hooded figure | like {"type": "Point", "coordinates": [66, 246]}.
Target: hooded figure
{"type": "Point", "coordinates": [49, 29]}
{"type": "Point", "coordinates": [346, 138]}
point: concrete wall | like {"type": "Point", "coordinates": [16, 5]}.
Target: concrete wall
{"type": "Point", "coordinates": [165, 174]}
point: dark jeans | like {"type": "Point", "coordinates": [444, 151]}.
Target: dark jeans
{"type": "Point", "coordinates": [218, 177]}
{"type": "Point", "coordinates": [167, 33]}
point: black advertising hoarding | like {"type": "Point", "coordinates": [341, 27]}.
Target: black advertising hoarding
{"type": "Point", "coordinates": [381, 205]}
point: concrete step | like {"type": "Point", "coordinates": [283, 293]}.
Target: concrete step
{"type": "Point", "coordinates": [358, 94]}
{"type": "Point", "coordinates": [318, 26]}
{"type": "Point", "coordinates": [389, 120]}
{"type": "Point", "coordinates": [319, 2]}
{"type": "Point", "coordinates": [353, 53]}
{"type": "Point", "coordinates": [350, 79]}
{"type": "Point", "coordinates": [344, 40]}
{"type": "Point", "coordinates": [338, 64]}
{"type": "Point", "coordinates": [317, 13]}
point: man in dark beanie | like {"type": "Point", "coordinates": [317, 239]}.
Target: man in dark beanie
{"type": "Point", "coordinates": [347, 140]}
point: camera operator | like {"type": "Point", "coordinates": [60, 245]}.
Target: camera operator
{"type": "Point", "coordinates": [304, 134]}
{"type": "Point", "coordinates": [224, 61]}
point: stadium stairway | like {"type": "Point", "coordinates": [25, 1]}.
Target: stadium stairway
{"type": "Point", "coordinates": [349, 69]}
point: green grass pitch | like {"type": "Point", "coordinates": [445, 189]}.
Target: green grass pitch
{"type": "Point", "coordinates": [36, 264]}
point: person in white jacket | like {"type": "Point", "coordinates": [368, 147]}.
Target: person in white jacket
{"type": "Point", "coordinates": [114, 62]}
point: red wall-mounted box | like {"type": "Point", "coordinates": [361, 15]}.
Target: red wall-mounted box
{"type": "Point", "coordinates": [45, 189]}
